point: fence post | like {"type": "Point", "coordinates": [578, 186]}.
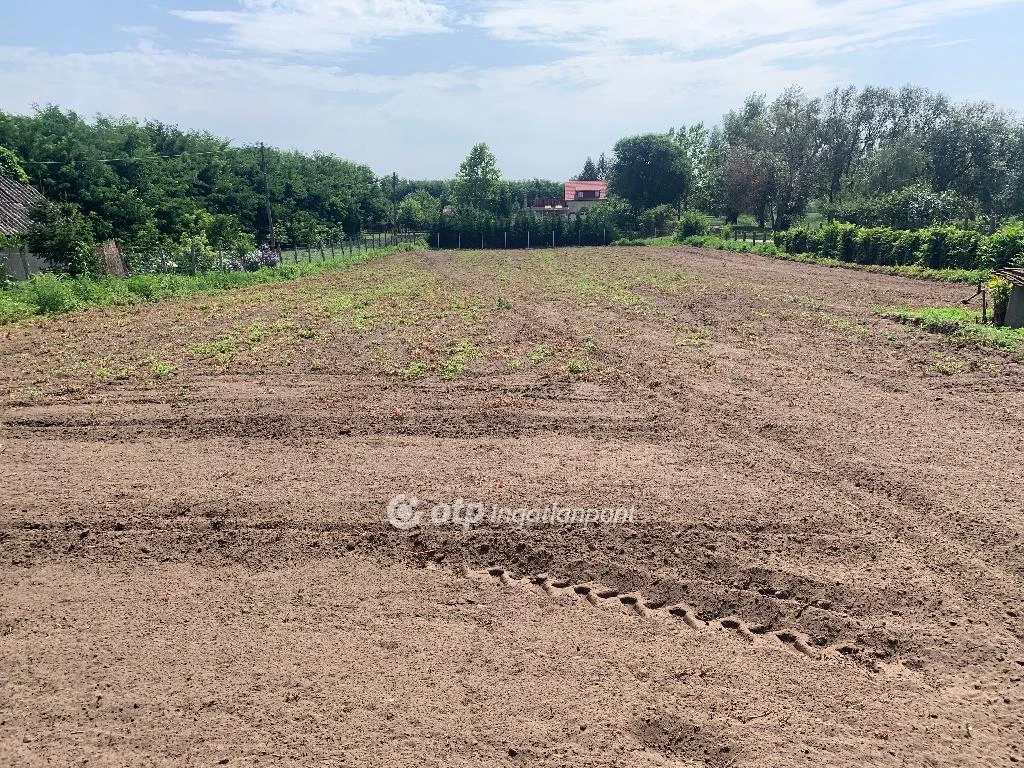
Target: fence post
{"type": "Point", "coordinates": [481, 241]}
{"type": "Point", "coordinates": [506, 240]}
{"type": "Point", "coordinates": [460, 241]}
{"type": "Point", "coordinates": [193, 259]}
{"type": "Point", "coordinates": [527, 239]}
{"type": "Point", "coordinates": [333, 256]}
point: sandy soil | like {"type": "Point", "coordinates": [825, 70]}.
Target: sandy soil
{"type": "Point", "coordinates": [825, 565]}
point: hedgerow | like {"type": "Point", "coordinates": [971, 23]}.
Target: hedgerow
{"type": "Point", "coordinates": [931, 248]}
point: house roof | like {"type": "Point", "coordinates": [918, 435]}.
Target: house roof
{"type": "Point", "coordinates": [572, 187]}
{"type": "Point", "coordinates": [15, 200]}
{"type": "Point", "coordinates": [1014, 274]}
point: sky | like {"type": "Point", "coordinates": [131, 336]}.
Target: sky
{"type": "Point", "coordinates": [411, 85]}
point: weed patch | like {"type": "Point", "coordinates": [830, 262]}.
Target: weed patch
{"type": "Point", "coordinates": [961, 326]}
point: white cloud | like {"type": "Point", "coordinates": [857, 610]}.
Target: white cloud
{"type": "Point", "coordinates": [322, 26]}
{"type": "Point", "coordinates": [626, 67]}
{"type": "Point", "coordinates": [695, 26]}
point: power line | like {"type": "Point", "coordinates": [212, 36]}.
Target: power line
{"type": "Point", "coordinates": [119, 159]}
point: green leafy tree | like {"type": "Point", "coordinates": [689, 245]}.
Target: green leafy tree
{"type": "Point", "coordinates": [478, 183]}
{"type": "Point", "coordinates": [61, 234]}
{"type": "Point", "coordinates": [650, 170]}
{"type": "Point", "coordinates": [10, 166]}
{"type": "Point", "coordinates": [589, 172]}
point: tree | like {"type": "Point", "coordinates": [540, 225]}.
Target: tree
{"type": "Point", "coordinates": [602, 168]}
{"type": "Point", "coordinates": [478, 183]}
{"type": "Point", "coordinates": [10, 166]}
{"type": "Point", "coordinates": [589, 172]}
{"type": "Point", "coordinates": [650, 170]}
{"type": "Point", "coordinates": [62, 235]}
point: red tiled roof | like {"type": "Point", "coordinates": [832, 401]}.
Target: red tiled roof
{"type": "Point", "coordinates": [572, 187]}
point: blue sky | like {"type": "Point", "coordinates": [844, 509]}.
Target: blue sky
{"type": "Point", "coordinates": [410, 85]}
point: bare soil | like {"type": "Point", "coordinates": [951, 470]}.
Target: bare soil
{"type": "Point", "coordinates": [826, 566]}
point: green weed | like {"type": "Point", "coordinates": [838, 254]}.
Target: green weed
{"type": "Point", "coordinates": [415, 370]}
{"type": "Point", "coordinates": [223, 350]}
{"type": "Point", "coordinates": [540, 354]}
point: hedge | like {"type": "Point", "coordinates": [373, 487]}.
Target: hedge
{"type": "Point", "coordinates": [933, 248]}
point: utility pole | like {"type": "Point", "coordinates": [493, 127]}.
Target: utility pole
{"type": "Point", "coordinates": [394, 205]}
{"type": "Point", "coordinates": [266, 192]}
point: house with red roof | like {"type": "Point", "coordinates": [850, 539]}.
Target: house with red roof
{"type": "Point", "coordinates": [578, 197]}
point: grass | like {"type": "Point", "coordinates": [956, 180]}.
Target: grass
{"type": "Point", "coordinates": [461, 354]}
{"type": "Point", "coordinates": [963, 327]}
{"type": "Point", "coordinates": [49, 294]}
{"type": "Point", "coordinates": [770, 250]}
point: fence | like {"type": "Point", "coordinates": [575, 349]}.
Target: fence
{"type": "Point", "coordinates": [501, 239]}
{"type": "Point", "coordinates": [333, 249]}
{"type": "Point", "coordinates": [746, 234]}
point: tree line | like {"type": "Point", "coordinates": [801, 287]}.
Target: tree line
{"type": "Point", "coordinates": [901, 158]}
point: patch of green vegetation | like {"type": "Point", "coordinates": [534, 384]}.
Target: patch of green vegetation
{"type": "Point", "coordinates": [963, 327]}
{"type": "Point", "coordinates": [306, 333]}
{"type": "Point", "coordinates": [257, 333]}
{"type": "Point", "coordinates": [578, 367]}
{"type": "Point", "coordinates": [49, 294]}
{"type": "Point", "coordinates": [162, 370]}
{"type": "Point", "coordinates": [223, 350]}
{"type": "Point", "coordinates": [415, 370]}
{"type": "Point", "coordinates": [948, 365]}
{"type": "Point", "coordinates": [541, 353]}
{"type": "Point", "coordinates": [455, 365]}
{"type": "Point", "coordinates": [698, 338]}
{"type": "Point", "coordinates": [514, 364]}
{"type": "Point", "coordinates": [807, 301]}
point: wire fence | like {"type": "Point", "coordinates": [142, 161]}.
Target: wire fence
{"type": "Point", "coordinates": [21, 264]}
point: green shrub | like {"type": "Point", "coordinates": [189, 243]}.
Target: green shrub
{"type": "Point", "coordinates": [51, 295]}
{"type": "Point", "coordinates": [12, 310]}
{"type": "Point", "coordinates": [949, 247]}
{"type": "Point", "coordinates": [692, 224]}
{"type": "Point", "coordinates": [1006, 247]}
{"type": "Point", "coordinates": [1000, 291]}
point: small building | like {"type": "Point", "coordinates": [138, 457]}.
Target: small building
{"type": "Point", "coordinates": [1015, 306]}
{"type": "Point", "coordinates": [578, 196]}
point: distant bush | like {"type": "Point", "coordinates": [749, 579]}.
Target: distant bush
{"type": "Point", "coordinates": [692, 224]}
{"type": "Point", "coordinates": [660, 220]}
{"type": "Point", "coordinates": [625, 241]}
